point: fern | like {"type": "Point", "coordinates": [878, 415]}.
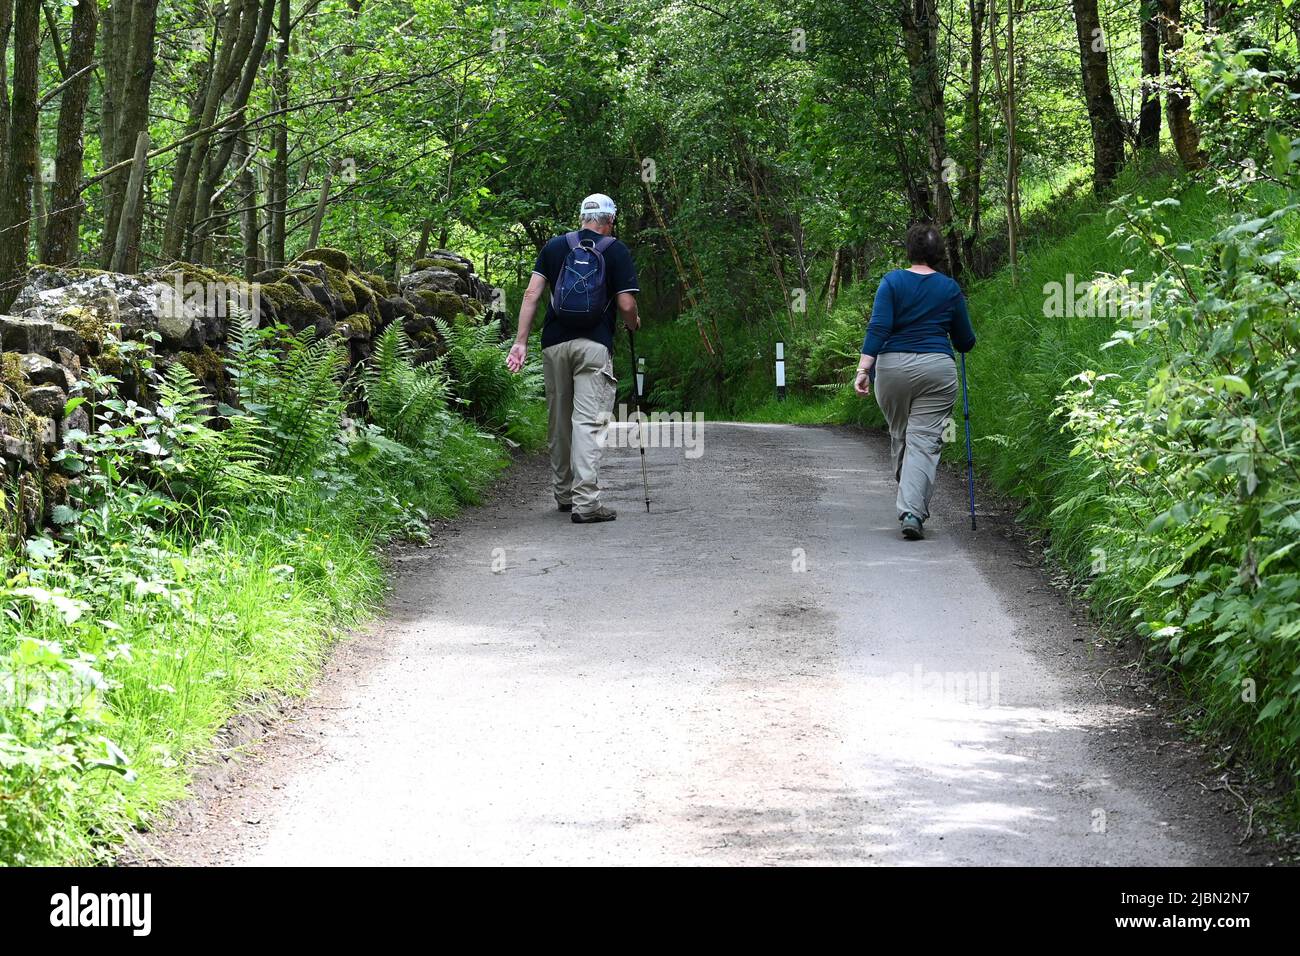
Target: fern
{"type": "Point", "coordinates": [293, 384]}
{"type": "Point", "coordinates": [404, 399]}
{"type": "Point", "coordinates": [207, 466]}
{"type": "Point", "coordinates": [491, 393]}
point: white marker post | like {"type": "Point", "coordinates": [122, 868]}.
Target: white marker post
{"type": "Point", "coordinates": [780, 371]}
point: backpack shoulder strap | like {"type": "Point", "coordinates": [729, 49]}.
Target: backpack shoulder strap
{"type": "Point", "coordinates": [603, 243]}
{"type": "Point", "coordinates": [573, 239]}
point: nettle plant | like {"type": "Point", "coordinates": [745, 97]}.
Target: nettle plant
{"type": "Point", "coordinates": [53, 726]}
{"type": "Point", "coordinates": [1200, 449]}
{"type": "Point", "coordinates": [139, 466]}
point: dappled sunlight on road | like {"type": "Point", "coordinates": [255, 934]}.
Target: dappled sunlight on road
{"type": "Point", "coordinates": [757, 671]}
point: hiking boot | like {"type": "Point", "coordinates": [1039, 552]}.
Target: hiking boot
{"type": "Point", "coordinates": [912, 527]}
{"type": "Point", "coordinates": [591, 517]}
{"type": "Point", "coordinates": [565, 508]}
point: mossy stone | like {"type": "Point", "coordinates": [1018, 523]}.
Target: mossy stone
{"type": "Point", "coordinates": [364, 293]}
{"type": "Point", "coordinates": [206, 365]}
{"type": "Point", "coordinates": [425, 302]}
{"type": "Point", "coordinates": [338, 284]}
{"type": "Point", "coordinates": [379, 283]}
{"type": "Point", "coordinates": [89, 324]}
{"type": "Point", "coordinates": [434, 262]}
{"type": "Point", "coordinates": [360, 323]}
{"type": "Point", "coordinates": [12, 374]}
{"type": "Point", "coordinates": [73, 273]}
{"type": "Point", "coordinates": [334, 258]}
{"type": "Point", "coordinates": [30, 505]}
{"type": "Point", "coordinates": [448, 305]}
{"type": "Point", "coordinates": [291, 306]}
{"type": "Point", "coordinates": [47, 401]}
{"type": "Point", "coordinates": [205, 276]}
{"type": "Point", "coordinates": [56, 488]}
{"type": "Point", "coordinates": [109, 360]}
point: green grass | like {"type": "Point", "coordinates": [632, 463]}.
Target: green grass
{"type": "Point", "coordinates": [187, 631]}
{"type": "Point", "coordinates": [833, 406]}
{"type": "Point", "coordinates": [261, 601]}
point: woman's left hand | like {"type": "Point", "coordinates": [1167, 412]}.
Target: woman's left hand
{"type": "Point", "coordinates": [862, 384]}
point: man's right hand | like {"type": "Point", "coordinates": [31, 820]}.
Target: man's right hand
{"type": "Point", "coordinates": [627, 309]}
{"type": "Point", "coordinates": [518, 355]}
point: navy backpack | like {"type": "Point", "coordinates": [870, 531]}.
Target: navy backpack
{"type": "Point", "coordinates": [580, 296]}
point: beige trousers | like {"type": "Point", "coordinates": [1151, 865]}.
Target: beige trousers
{"type": "Point", "coordinates": [916, 391]}
{"type": "Point", "coordinates": [580, 388]}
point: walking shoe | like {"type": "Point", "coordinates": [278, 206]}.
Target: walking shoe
{"type": "Point", "coordinates": [591, 517]}
{"type": "Point", "coordinates": [564, 508]}
{"type": "Point", "coordinates": [912, 527]}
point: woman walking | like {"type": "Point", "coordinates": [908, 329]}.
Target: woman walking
{"type": "Point", "coordinates": [919, 316]}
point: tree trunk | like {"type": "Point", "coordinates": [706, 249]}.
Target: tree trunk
{"type": "Point", "coordinates": [1103, 117]}
{"type": "Point", "coordinates": [800, 253]}
{"type": "Point", "coordinates": [130, 31]}
{"type": "Point", "coordinates": [229, 59]}
{"type": "Point", "coordinates": [6, 28]}
{"type": "Point", "coordinates": [1148, 135]}
{"type": "Point", "coordinates": [125, 253]}
{"type": "Point", "coordinates": [40, 210]}
{"type": "Point", "coordinates": [1007, 94]}
{"type": "Point", "coordinates": [279, 197]}
{"type": "Point", "coordinates": [971, 182]}
{"type": "Point", "coordinates": [422, 247]}
{"type": "Point", "coordinates": [920, 20]}
{"type": "Point", "coordinates": [322, 203]}
{"type": "Point", "coordinates": [914, 185]}
{"type": "Point", "coordinates": [833, 283]}
{"type": "Point", "coordinates": [62, 232]}
{"type": "Point", "coordinates": [246, 193]}
{"type": "Point", "coordinates": [777, 271]}
{"type": "Point", "coordinates": [225, 149]}
{"type": "Point", "coordinates": [20, 151]}
{"type": "Point", "coordinates": [1178, 104]}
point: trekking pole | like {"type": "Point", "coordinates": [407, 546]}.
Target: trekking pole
{"type": "Point", "coordinates": [970, 458]}
{"type": "Point", "coordinates": [636, 404]}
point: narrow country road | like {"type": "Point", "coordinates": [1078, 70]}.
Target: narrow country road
{"type": "Point", "coordinates": [759, 671]}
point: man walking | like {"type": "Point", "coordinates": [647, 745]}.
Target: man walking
{"type": "Point", "coordinates": [592, 277]}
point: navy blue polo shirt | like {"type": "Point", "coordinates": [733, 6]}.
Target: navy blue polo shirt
{"type": "Point", "coordinates": [620, 276]}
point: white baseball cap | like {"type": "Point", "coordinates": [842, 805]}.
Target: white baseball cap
{"type": "Point", "coordinates": [597, 203]}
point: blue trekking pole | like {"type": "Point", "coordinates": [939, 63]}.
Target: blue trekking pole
{"type": "Point", "coordinates": [970, 458]}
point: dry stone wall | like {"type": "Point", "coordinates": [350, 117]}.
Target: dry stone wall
{"type": "Point", "coordinates": [67, 321]}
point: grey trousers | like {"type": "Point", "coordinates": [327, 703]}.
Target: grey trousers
{"type": "Point", "coordinates": [916, 391]}
{"type": "Point", "coordinates": [580, 387]}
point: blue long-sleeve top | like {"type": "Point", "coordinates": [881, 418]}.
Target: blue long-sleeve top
{"type": "Point", "coordinates": [918, 313]}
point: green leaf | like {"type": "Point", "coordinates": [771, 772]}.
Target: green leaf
{"type": "Point", "coordinates": [1235, 384]}
{"type": "Point", "coordinates": [62, 514]}
{"type": "Point", "coordinates": [1279, 553]}
{"type": "Point", "coordinates": [1281, 149]}
{"type": "Point", "coordinates": [1271, 709]}
{"type": "Point", "coordinates": [41, 549]}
